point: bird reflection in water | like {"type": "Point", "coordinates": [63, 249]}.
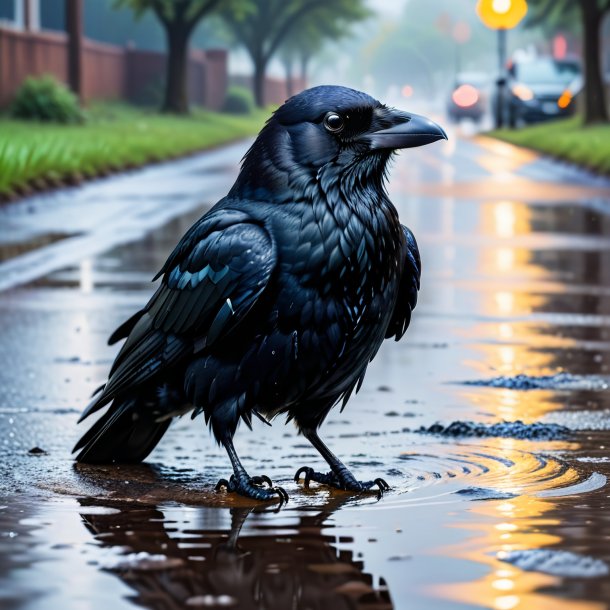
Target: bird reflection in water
{"type": "Point", "coordinates": [267, 566]}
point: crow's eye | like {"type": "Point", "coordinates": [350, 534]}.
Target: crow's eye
{"type": "Point", "coordinates": [333, 122]}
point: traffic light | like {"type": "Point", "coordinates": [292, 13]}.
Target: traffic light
{"type": "Point", "coordinates": [501, 14]}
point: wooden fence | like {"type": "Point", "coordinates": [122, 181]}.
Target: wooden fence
{"type": "Point", "coordinates": [109, 72]}
{"type": "Point", "coordinates": [276, 89]}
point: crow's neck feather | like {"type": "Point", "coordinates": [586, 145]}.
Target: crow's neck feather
{"type": "Point", "coordinates": [271, 172]}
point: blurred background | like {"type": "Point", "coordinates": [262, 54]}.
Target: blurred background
{"type": "Point", "coordinates": [491, 419]}
{"type": "Point", "coordinates": [481, 64]}
{"type": "Point", "coordinates": [414, 50]}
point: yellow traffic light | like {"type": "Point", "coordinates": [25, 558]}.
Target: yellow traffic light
{"type": "Point", "coordinates": [501, 14]}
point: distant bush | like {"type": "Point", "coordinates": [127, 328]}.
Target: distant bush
{"type": "Point", "coordinates": [238, 100]}
{"type": "Point", "coordinates": [151, 94]}
{"type": "Point", "coordinates": [46, 99]}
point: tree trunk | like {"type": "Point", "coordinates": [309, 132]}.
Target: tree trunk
{"type": "Point", "coordinates": [289, 79]}
{"type": "Point", "coordinates": [305, 57]}
{"type": "Point", "coordinates": [176, 83]}
{"type": "Point", "coordinates": [259, 82]}
{"type": "Point", "coordinates": [595, 98]}
{"type": "Point", "coordinates": [74, 24]}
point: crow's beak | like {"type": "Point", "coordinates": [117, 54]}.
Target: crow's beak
{"type": "Point", "coordinates": [410, 130]}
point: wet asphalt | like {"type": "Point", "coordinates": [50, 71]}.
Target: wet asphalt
{"type": "Point", "coordinates": [515, 301]}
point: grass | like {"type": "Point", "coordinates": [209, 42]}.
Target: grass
{"type": "Point", "coordinates": [36, 156]}
{"type": "Point", "coordinates": [569, 140]}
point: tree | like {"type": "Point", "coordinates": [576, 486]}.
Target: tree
{"type": "Point", "coordinates": [102, 22]}
{"type": "Point", "coordinates": [313, 32]}
{"type": "Point", "coordinates": [178, 18]}
{"type": "Point", "coordinates": [421, 52]}
{"type": "Point", "coordinates": [263, 25]}
{"type": "Point", "coordinates": [592, 14]}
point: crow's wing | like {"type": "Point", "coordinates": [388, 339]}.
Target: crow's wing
{"type": "Point", "coordinates": [407, 291]}
{"type": "Point", "coordinates": [210, 282]}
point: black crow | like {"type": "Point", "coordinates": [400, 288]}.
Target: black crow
{"type": "Point", "coordinates": [276, 300]}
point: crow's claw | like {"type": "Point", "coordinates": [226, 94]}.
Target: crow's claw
{"type": "Point", "coordinates": [251, 487]}
{"type": "Point", "coordinates": [346, 482]}
{"type": "Point", "coordinates": [259, 480]}
{"type": "Point", "coordinates": [306, 470]}
{"type": "Point", "coordinates": [222, 483]}
{"type": "Point", "coordinates": [318, 477]}
{"type": "Point", "coordinates": [299, 472]}
{"type": "Point", "coordinates": [282, 494]}
{"type": "Point", "coordinates": [382, 484]}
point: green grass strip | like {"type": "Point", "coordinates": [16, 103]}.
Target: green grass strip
{"type": "Point", "coordinates": [569, 140]}
{"type": "Point", "coordinates": [35, 156]}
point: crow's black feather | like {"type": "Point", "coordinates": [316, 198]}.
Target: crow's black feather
{"type": "Point", "coordinates": [275, 300]}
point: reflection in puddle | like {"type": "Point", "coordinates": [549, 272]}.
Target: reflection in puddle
{"type": "Point", "coordinates": [10, 249]}
{"type": "Point", "coordinates": [510, 287]}
{"type": "Point", "coordinates": [237, 559]}
{"type": "Point", "coordinates": [523, 524]}
{"type": "Point", "coordinates": [528, 286]}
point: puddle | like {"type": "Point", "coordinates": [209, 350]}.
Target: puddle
{"type": "Point", "coordinates": [556, 562]}
{"type": "Point", "coordinates": [560, 381]}
{"type": "Point", "coordinates": [141, 561]}
{"type": "Point", "coordinates": [10, 249]}
{"type": "Point", "coordinates": [515, 429]}
{"type": "Point", "coordinates": [483, 493]}
{"type": "Point", "coordinates": [512, 293]}
{"type": "Point", "coordinates": [583, 419]}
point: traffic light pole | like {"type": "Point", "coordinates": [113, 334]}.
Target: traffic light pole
{"type": "Point", "coordinates": [501, 82]}
{"type": "Point", "coordinates": [74, 28]}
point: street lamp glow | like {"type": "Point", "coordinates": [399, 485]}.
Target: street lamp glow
{"type": "Point", "coordinates": [501, 6]}
{"type": "Point", "coordinates": [501, 14]}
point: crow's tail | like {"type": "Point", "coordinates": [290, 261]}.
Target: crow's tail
{"type": "Point", "coordinates": [127, 432]}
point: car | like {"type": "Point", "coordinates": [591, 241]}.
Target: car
{"type": "Point", "coordinates": [540, 89]}
{"type": "Point", "coordinates": [468, 97]}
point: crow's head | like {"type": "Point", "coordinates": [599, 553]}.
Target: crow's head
{"type": "Point", "coordinates": [331, 130]}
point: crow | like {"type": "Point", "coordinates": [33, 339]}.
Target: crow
{"type": "Point", "coordinates": [276, 300]}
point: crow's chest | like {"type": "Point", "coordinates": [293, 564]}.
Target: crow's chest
{"type": "Point", "coordinates": [340, 266]}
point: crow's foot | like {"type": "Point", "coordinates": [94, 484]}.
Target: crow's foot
{"type": "Point", "coordinates": [346, 481]}
{"type": "Point", "coordinates": [253, 487]}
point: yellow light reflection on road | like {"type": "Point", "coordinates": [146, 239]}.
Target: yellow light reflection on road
{"type": "Point", "coordinates": [507, 357]}
{"type": "Point", "coordinates": [505, 259]}
{"type": "Point", "coordinates": [505, 331]}
{"type": "Point", "coordinates": [520, 264]}
{"type": "Point", "coordinates": [503, 584]}
{"type": "Point", "coordinates": [508, 407]}
{"type": "Point", "coordinates": [505, 218]}
{"type": "Point", "coordinates": [506, 587]}
{"type": "Point", "coordinates": [505, 302]}
{"type": "Point", "coordinates": [506, 602]}
{"type": "Point", "coordinates": [506, 404]}
{"type": "Point", "coordinates": [515, 285]}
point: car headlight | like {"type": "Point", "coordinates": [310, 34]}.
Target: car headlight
{"type": "Point", "coordinates": [465, 96]}
{"type": "Point", "coordinates": [524, 93]}
{"type": "Point", "coordinates": [565, 99]}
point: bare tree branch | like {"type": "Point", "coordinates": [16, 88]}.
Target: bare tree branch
{"type": "Point", "coordinates": [290, 22]}
{"type": "Point", "coordinates": [158, 9]}
{"type": "Point", "coordinates": [204, 9]}
{"type": "Point", "coordinates": [545, 8]}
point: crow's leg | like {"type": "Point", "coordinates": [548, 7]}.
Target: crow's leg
{"type": "Point", "coordinates": [339, 475]}
{"type": "Point", "coordinates": [245, 485]}
{"type": "Point", "coordinates": [238, 518]}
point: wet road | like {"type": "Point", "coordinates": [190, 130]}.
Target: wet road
{"type": "Point", "coordinates": [516, 254]}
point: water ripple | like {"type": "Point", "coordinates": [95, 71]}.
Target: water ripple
{"type": "Point", "coordinates": [492, 472]}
